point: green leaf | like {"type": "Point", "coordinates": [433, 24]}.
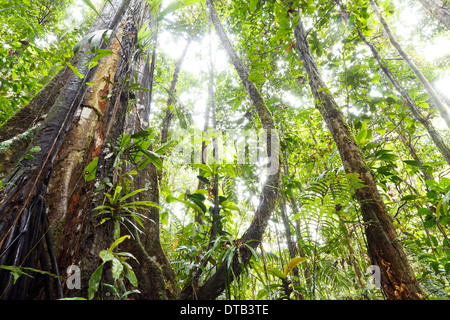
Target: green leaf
{"type": "Point", "coordinates": [230, 256]}
{"type": "Point", "coordinates": [131, 194]}
{"type": "Point", "coordinates": [174, 6]}
{"type": "Point", "coordinates": [115, 197]}
{"type": "Point", "coordinates": [94, 282]}
{"type": "Point", "coordinates": [447, 268]}
{"type": "Point", "coordinates": [434, 185]}
{"type": "Point", "coordinates": [151, 158]}
{"type": "Point", "coordinates": [16, 272]}
{"type": "Point", "coordinates": [126, 254]}
{"type": "Point", "coordinates": [94, 39]}
{"type": "Point", "coordinates": [144, 33]}
{"type": "Point", "coordinates": [75, 70]}
{"type": "Point", "coordinates": [117, 268]}
{"type": "Point", "coordinates": [438, 208]}
{"type": "Point", "coordinates": [410, 197]}
{"type": "Point", "coordinates": [413, 163]}
{"type": "Point", "coordinates": [131, 276]}
{"type": "Point", "coordinates": [140, 203]}
{"type": "Point", "coordinates": [446, 202]}
{"type": "Point", "coordinates": [253, 252]}
{"type": "Point", "coordinates": [203, 179]}
{"type": "Point", "coordinates": [116, 229]}
{"type": "Point", "coordinates": [196, 196]}
{"type": "Point", "coordinates": [253, 4]}
{"type": "Point", "coordinates": [360, 136]}
{"type": "Point", "coordinates": [205, 168]}
{"type": "Point", "coordinates": [276, 272]}
{"type": "Point", "coordinates": [93, 61]}
{"type": "Point", "coordinates": [34, 149]}
{"type": "Point", "coordinates": [136, 87]}
{"type": "Point", "coordinates": [429, 222]}
{"type": "Point", "coordinates": [423, 211]}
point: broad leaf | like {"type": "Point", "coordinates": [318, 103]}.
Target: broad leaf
{"type": "Point", "coordinates": [291, 264]}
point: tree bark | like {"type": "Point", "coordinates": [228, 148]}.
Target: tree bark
{"type": "Point", "coordinates": [25, 200]}
{"type": "Point", "coordinates": [397, 277]}
{"type": "Point", "coordinates": [17, 132]}
{"type": "Point", "coordinates": [440, 105]}
{"type": "Point", "coordinates": [415, 110]}
{"type": "Point", "coordinates": [439, 10]}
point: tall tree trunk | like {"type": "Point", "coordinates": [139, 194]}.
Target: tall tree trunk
{"type": "Point", "coordinates": [397, 277]}
{"type": "Point", "coordinates": [167, 121]}
{"type": "Point", "coordinates": [216, 284]}
{"type": "Point", "coordinates": [208, 115]}
{"type": "Point", "coordinates": [439, 9]}
{"type": "Point", "coordinates": [440, 105]}
{"type": "Point", "coordinates": [76, 130]}
{"type": "Point", "coordinates": [101, 120]}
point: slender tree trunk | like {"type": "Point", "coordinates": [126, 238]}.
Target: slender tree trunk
{"type": "Point", "coordinates": [292, 248]}
{"type": "Point", "coordinates": [173, 89]}
{"type": "Point", "coordinates": [397, 277]}
{"type": "Point", "coordinates": [439, 9]}
{"type": "Point", "coordinates": [440, 105]}
{"type": "Point", "coordinates": [216, 284]}
{"type": "Point", "coordinates": [210, 105]}
{"type": "Point", "coordinates": [412, 151]}
{"type": "Point", "coordinates": [415, 110]}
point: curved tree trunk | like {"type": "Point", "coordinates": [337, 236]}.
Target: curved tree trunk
{"type": "Point", "coordinates": [397, 277]}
